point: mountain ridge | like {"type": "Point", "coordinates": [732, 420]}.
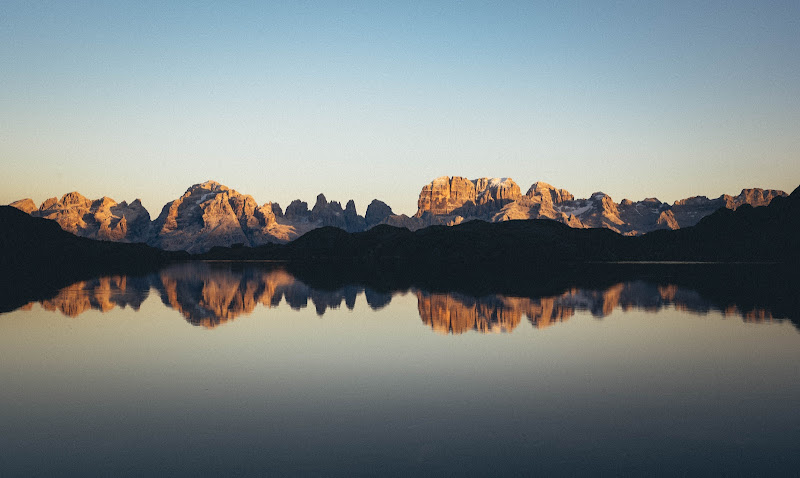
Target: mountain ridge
{"type": "Point", "coordinates": [210, 214]}
{"type": "Point", "coordinates": [38, 257]}
{"type": "Point", "coordinates": [747, 234]}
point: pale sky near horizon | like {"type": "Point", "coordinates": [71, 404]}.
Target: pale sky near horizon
{"type": "Point", "coordinates": [363, 100]}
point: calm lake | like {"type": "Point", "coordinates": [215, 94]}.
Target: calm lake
{"type": "Point", "coordinates": [242, 369]}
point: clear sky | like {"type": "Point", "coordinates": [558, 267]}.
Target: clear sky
{"type": "Point", "coordinates": [374, 99]}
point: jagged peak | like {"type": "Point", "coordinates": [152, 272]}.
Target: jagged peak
{"type": "Point", "coordinates": [73, 198]}
{"type": "Point", "coordinates": [549, 193]}
{"type": "Point", "coordinates": [691, 200]}
{"type": "Point", "coordinates": [762, 192]}
{"type": "Point", "coordinates": [48, 203]}
{"type": "Point", "coordinates": [377, 203]}
{"type": "Point", "coordinates": [541, 185]}
{"type": "Point", "coordinates": [25, 205]}
{"type": "Point", "coordinates": [377, 211]}
{"type": "Point", "coordinates": [493, 182]}
{"type": "Point", "coordinates": [104, 201]}
{"type": "Point", "coordinates": [210, 185]}
{"type": "Point", "coordinates": [480, 183]}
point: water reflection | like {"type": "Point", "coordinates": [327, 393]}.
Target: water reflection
{"type": "Point", "coordinates": [211, 294]}
{"type": "Point", "coordinates": [456, 313]}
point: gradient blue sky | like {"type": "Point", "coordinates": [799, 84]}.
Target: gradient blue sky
{"type": "Point", "coordinates": [375, 99]}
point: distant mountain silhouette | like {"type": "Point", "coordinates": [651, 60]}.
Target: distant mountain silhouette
{"type": "Point", "coordinates": [769, 233]}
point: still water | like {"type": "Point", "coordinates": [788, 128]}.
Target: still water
{"type": "Point", "coordinates": [223, 369]}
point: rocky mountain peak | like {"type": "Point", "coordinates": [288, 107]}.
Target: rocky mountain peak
{"type": "Point", "coordinates": [754, 197]}
{"type": "Point", "coordinates": [74, 199]}
{"type": "Point", "coordinates": [211, 214]}
{"type": "Point", "coordinates": [297, 209]}
{"type": "Point", "coordinates": [547, 193]}
{"type": "Point", "coordinates": [320, 204]}
{"type": "Point", "coordinates": [445, 195]}
{"type": "Point", "coordinates": [692, 201]}
{"type": "Point", "coordinates": [25, 205]}
{"type": "Point", "coordinates": [326, 213]}
{"type": "Point", "coordinates": [104, 202]}
{"type": "Point", "coordinates": [48, 203]}
{"type": "Point", "coordinates": [496, 189]}
{"type": "Point", "coordinates": [207, 214]}
{"type": "Point", "coordinates": [452, 200]}
{"type": "Point", "coordinates": [377, 211]}
{"type": "Point", "coordinates": [209, 185]}
{"type": "Point", "coordinates": [102, 218]}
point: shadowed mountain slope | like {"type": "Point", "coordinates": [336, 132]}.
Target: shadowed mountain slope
{"type": "Point", "coordinates": [37, 255]}
{"type": "Point", "coordinates": [210, 214]}
{"type": "Point", "coordinates": [748, 234]}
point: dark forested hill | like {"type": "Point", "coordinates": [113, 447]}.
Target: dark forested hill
{"type": "Point", "coordinates": [37, 257]}
{"type": "Point", "coordinates": [763, 234]}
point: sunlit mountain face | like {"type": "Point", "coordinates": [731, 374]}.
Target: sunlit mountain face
{"type": "Point", "coordinates": [212, 294]}
{"type": "Point", "coordinates": [211, 214]}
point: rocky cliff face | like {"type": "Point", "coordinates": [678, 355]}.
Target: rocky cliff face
{"type": "Point", "coordinates": [461, 196]}
{"type": "Point", "coordinates": [102, 219]}
{"type": "Point", "coordinates": [210, 214]}
{"type": "Point", "coordinates": [377, 212]}
{"type": "Point", "coordinates": [454, 200]}
{"type": "Point", "coordinates": [547, 193]}
{"type": "Point", "coordinates": [331, 214]}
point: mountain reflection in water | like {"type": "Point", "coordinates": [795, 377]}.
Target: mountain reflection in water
{"type": "Point", "coordinates": [211, 294]}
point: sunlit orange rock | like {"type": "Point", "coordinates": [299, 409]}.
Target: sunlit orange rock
{"type": "Point", "coordinates": [103, 218]}
{"type": "Point", "coordinates": [451, 200]}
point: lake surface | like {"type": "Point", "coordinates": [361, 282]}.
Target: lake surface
{"type": "Point", "coordinates": [226, 369]}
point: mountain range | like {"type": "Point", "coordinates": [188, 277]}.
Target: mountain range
{"type": "Point", "coordinates": [476, 257]}
{"type": "Point", "coordinates": [210, 214]}
{"type": "Point", "coordinates": [748, 234]}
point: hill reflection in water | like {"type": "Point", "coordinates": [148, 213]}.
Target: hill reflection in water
{"type": "Point", "coordinates": [211, 294]}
